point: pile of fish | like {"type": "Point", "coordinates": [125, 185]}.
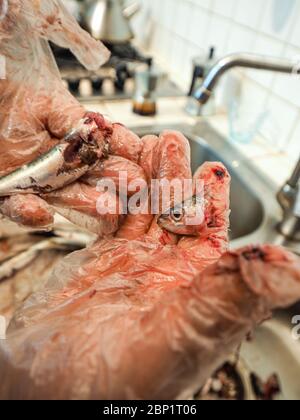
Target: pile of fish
{"type": "Point", "coordinates": [26, 263]}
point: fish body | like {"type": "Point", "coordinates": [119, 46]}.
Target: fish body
{"type": "Point", "coordinates": [60, 166]}
{"type": "Point", "coordinates": [18, 262]}
{"type": "Point", "coordinates": [185, 218]}
{"type": "Point", "coordinates": [43, 175]}
{"type": "Point", "coordinates": [100, 226]}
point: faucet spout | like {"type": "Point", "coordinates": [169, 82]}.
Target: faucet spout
{"type": "Point", "coordinates": [289, 199]}
{"type": "Point", "coordinates": [243, 60]}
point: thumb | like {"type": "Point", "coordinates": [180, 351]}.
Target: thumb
{"type": "Point", "coordinates": [60, 27]}
{"type": "Point", "coordinates": [212, 239]}
{"type": "Point", "coordinates": [196, 328]}
{"type": "Point", "coordinates": [186, 332]}
{"type": "Point", "coordinates": [50, 20]}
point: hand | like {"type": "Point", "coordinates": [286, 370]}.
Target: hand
{"type": "Point", "coordinates": [150, 315]}
{"type": "Point", "coordinates": [36, 110]}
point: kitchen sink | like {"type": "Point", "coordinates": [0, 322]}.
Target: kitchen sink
{"type": "Point", "coordinates": [255, 214]}
{"type": "Point", "coordinates": [273, 350]}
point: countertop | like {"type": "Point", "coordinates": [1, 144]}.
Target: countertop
{"type": "Point", "coordinates": [275, 165]}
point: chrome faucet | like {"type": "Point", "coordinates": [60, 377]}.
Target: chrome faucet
{"type": "Point", "coordinates": [250, 61]}
{"type": "Point", "coordinates": [289, 199]}
{"type": "Point", "coordinates": [289, 195]}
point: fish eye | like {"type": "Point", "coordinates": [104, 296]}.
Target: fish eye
{"type": "Point", "coordinates": [176, 215]}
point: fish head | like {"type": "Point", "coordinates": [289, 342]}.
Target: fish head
{"type": "Point", "coordinates": [184, 218]}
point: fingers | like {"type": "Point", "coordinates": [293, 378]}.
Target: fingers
{"type": "Point", "coordinates": [149, 156]}
{"type": "Point", "coordinates": [127, 175]}
{"type": "Point", "coordinates": [174, 157]}
{"type": "Point", "coordinates": [159, 235]}
{"type": "Point", "coordinates": [272, 273]}
{"type": "Point", "coordinates": [60, 112]}
{"type": "Point", "coordinates": [166, 158]}
{"type": "Point", "coordinates": [129, 178]}
{"type": "Point", "coordinates": [150, 162]}
{"type": "Point", "coordinates": [54, 22]}
{"type": "Point", "coordinates": [153, 163]}
{"type": "Point", "coordinates": [212, 240]}
{"type": "Point", "coordinates": [184, 331]}
{"type": "Point", "coordinates": [134, 226]}
{"type": "Point", "coordinates": [198, 326]}
{"type": "Point", "coordinates": [28, 210]}
{"type": "Point", "coordinates": [121, 171]}
{"type": "Point", "coordinates": [83, 205]}
{"type": "Point", "coordinates": [125, 143]}
{"type": "Point", "coordinates": [49, 20]}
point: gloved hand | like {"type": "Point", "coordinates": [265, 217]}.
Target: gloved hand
{"type": "Point", "coordinates": [37, 111]}
{"type": "Point", "coordinates": [146, 314]}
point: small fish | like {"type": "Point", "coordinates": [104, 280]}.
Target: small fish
{"type": "Point", "coordinates": [98, 225]}
{"type": "Point", "coordinates": [62, 165]}
{"type": "Point", "coordinates": [184, 218]}
{"type": "Point", "coordinates": [12, 265]}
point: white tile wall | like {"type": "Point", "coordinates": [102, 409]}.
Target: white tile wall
{"type": "Point", "coordinates": [181, 29]}
{"type": "Point", "coordinates": [248, 13]}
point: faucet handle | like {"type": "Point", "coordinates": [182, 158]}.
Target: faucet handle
{"type": "Point", "coordinates": [286, 196]}
{"type": "Point", "coordinates": [289, 199]}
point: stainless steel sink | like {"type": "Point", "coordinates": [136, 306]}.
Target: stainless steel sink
{"type": "Point", "coordinates": [274, 351]}
{"type": "Point", "coordinates": [255, 215]}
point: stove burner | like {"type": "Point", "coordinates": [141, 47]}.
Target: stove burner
{"type": "Point", "coordinates": [117, 70]}
{"type": "Point", "coordinates": [114, 80]}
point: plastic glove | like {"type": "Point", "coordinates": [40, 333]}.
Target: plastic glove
{"type": "Point", "coordinates": [36, 111]}
{"type": "Point", "coordinates": [136, 323]}
{"type": "Point", "coordinates": [147, 314]}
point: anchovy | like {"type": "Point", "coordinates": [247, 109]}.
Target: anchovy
{"type": "Point", "coordinates": [185, 218]}
{"type": "Point", "coordinates": [97, 225]}
{"type": "Point", "coordinates": [62, 165]}
{"type": "Point", "coordinates": [18, 262]}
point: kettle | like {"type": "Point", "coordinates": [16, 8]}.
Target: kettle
{"type": "Point", "coordinates": [109, 20]}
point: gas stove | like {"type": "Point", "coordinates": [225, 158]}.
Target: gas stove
{"type": "Point", "coordinates": [115, 80]}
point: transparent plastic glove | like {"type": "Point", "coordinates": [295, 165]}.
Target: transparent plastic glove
{"type": "Point", "coordinates": [137, 323]}
{"type": "Point", "coordinates": [118, 286]}
{"type": "Point", "coordinates": [36, 110]}
{"type": "Point", "coordinates": [148, 314]}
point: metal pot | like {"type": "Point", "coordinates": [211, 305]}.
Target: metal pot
{"type": "Point", "coordinates": [109, 20]}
